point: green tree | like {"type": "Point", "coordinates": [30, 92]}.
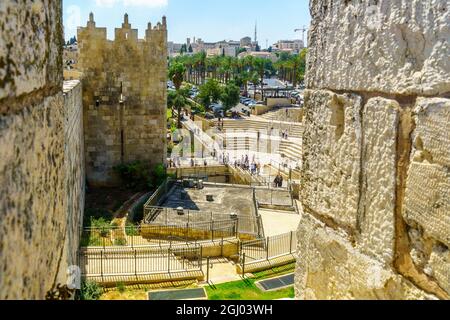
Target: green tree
{"type": "Point", "coordinates": [176, 74]}
{"type": "Point", "coordinates": [254, 78]}
{"type": "Point", "coordinates": [260, 68]}
{"type": "Point", "coordinates": [178, 100]}
{"type": "Point", "coordinates": [230, 96]}
{"type": "Point", "coordinates": [209, 93]}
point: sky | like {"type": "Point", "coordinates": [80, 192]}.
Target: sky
{"type": "Point", "coordinates": [210, 20]}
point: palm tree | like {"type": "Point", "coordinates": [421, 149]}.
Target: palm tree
{"type": "Point", "coordinates": [227, 68]}
{"type": "Point", "coordinates": [201, 62]}
{"type": "Point", "coordinates": [242, 79]}
{"type": "Point", "coordinates": [178, 99]}
{"type": "Point", "coordinates": [254, 78]}
{"type": "Point", "coordinates": [260, 68]}
{"type": "Point", "coordinates": [176, 74]}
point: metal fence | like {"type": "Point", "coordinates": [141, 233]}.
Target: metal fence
{"type": "Point", "coordinates": [160, 194]}
{"type": "Point", "coordinates": [164, 215]}
{"type": "Point", "coordinates": [139, 262]}
{"type": "Point", "coordinates": [145, 235]}
{"type": "Point", "coordinates": [169, 216]}
{"type": "Point", "coordinates": [266, 249]}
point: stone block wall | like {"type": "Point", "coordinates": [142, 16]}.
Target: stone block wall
{"type": "Point", "coordinates": [34, 179]}
{"type": "Point", "coordinates": [375, 179]}
{"type": "Point", "coordinates": [124, 98]}
{"type": "Point", "coordinates": [75, 175]}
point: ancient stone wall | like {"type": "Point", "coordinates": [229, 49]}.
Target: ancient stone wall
{"type": "Point", "coordinates": [376, 179]}
{"type": "Point", "coordinates": [35, 169]}
{"type": "Point", "coordinates": [75, 175]}
{"type": "Point", "coordinates": [124, 97]}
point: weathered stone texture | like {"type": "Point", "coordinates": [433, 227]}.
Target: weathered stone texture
{"type": "Point", "coordinates": [330, 268]}
{"type": "Point", "coordinates": [32, 206]}
{"type": "Point", "coordinates": [332, 156]}
{"type": "Point", "coordinates": [427, 200]}
{"type": "Point", "coordinates": [132, 71]}
{"type": "Point", "coordinates": [377, 202]}
{"type": "Point", "coordinates": [439, 266]}
{"type": "Point", "coordinates": [30, 48]}
{"type": "Point", "coordinates": [376, 179]}
{"type": "Point", "coordinates": [432, 133]}
{"type": "Point", "coordinates": [398, 47]}
{"type": "Point", "coordinates": [74, 169]}
{"type": "Point", "coordinates": [41, 167]}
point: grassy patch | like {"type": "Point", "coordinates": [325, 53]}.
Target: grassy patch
{"type": "Point", "coordinates": [246, 290]}
{"type": "Point", "coordinates": [277, 271]}
{"type": "Point", "coordinates": [125, 295]}
{"type": "Point", "coordinates": [140, 292]}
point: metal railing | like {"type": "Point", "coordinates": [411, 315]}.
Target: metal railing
{"type": "Point", "coordinates": [158, 196]}
{"type": "Point", "coordinates": [265, 249]}
{"type": "Point", "coordinates": [140, 262]}
{"type": "Point", "coordinates": [147, 235]}
{"type": "Point", "coordinates": [159, 216]}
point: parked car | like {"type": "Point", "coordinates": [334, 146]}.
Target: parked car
{"type": "Point", "coordinates": [209, 116]}
{"type": "Point", "coordinates": [217, 109]}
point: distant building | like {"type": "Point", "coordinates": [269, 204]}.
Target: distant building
{"type": "Point", "coordinates": [284, 45]}
{"type": "Point", "coordinates": [173, 48]}
{"type": "Point", "coordinates": [225, 48]}
{"type": "Point", "coordinates": [262, 54]}
{"type": "Point", "coordinates": [246, 42]}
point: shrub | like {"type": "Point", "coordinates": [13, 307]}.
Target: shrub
{"type": "Point", "coordinates": [120, 242]}
{"type": "Point", "coordinates": [100, 223]}
{"type": "Point", "coordinates": [90, 290]}
{"type": "Point", "coordinates": [96, 213]}
{"type": "Point", "coordinates": [134, 175]}
{"type": "Point", "coordinates": [159, 174]}
{"type": "Point", "coordinates": [131, 229]}
{"type": "Point", "coordinates": [121, 287]}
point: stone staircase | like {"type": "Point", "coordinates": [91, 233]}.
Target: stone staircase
{"type": "Point", "coordinates": [291, 149]}
{"type": "Point", "coordinates": [295, 130]}
{"type": "Point", "coordinates": [279, 114]}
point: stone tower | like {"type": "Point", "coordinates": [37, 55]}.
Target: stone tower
{"type": "Point", "coordinates": [124, 97]}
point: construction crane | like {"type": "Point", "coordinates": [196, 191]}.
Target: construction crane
{"type": "Point", "coordinates": [303, 30]}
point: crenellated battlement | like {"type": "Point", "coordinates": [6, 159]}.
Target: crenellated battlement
{"type": "Point", "coordinates": [126, 32]}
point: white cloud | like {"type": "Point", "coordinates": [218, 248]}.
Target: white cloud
{"type": "Point", "coordinates": [133, 3]}
{"type": "Point", "coordinates": [73, 20]}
